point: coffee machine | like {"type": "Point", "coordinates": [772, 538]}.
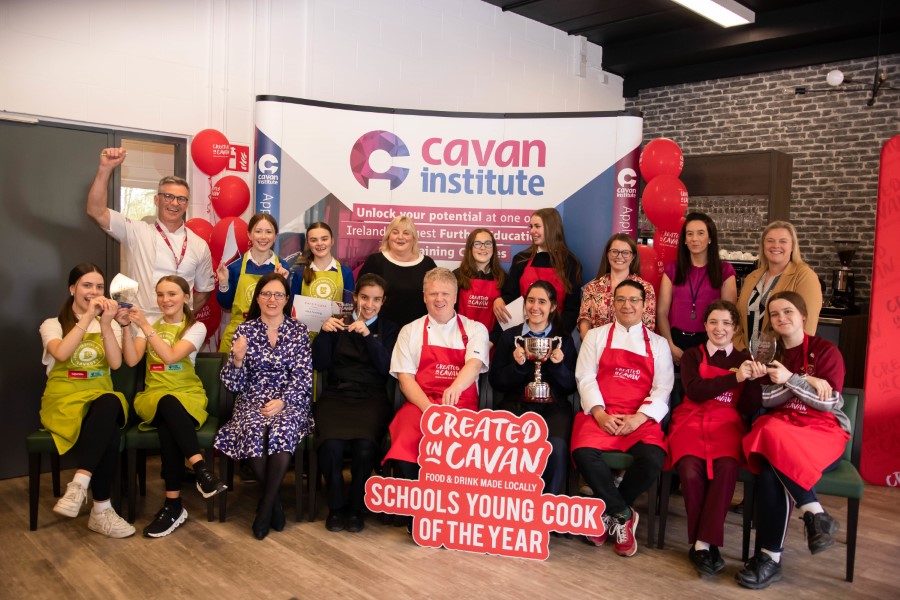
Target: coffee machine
{"type": "Point", "coordinates": [843, 289]}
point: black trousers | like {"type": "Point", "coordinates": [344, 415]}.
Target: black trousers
{"type": "Point", "coordinates": [331, 464]}
{"type": "Point", "coordinates": [98, 443]}
{"type": "Point", "coordinates": [774, 491]}
{"type": "Point", "coordinates": [648, 462]}
{"type": "Point", "coordinates": [177, 439]}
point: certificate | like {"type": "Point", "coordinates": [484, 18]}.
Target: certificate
{"type": "Point", "coordinates": [313, 312]}
{"type": "Point", "coordinates": [516, 310]}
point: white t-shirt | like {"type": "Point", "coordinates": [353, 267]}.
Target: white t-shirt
{"type": "Point", "coordinates": [408, 349]}
{"type": "Point", "coordinates": [196, 335]}
{"type": "Point", "coordinates": [51, 329]}
{"type": "Point", "coordinates": [150, 258]}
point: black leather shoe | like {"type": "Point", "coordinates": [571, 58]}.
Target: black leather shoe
{"type": "Point", "coordinates": [355, 523]}
{"type": "Point", "coordinates": [261, 526]}
{"type": "Point", "coordinates": [819, 531]}
{"type": "Point", "coordinates": [335, 521]}
{"type": "Point", "coordinates": [717, 562]}
{"type": "Point", "coordinates": [704, 561]}
{"type": "Point", "coordinates": [759, 572]}
{"type": "Point", "coordinates": [278, 519]}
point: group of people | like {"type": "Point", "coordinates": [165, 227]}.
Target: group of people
{"type": "Point", "coordinates": [436, 345]}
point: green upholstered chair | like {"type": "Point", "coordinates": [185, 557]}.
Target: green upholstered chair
{"type": "Point", "coordinates": [845, 481]}
{"type": "Point", "coordinates": [125, 380]}
{"type": "Point", "coordinates": [208, 366]}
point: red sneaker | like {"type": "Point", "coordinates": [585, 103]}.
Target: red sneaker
{"type": "Point", "coordinates": [598, 540]}
{"type": "Point", "coordinates": [626, 542]}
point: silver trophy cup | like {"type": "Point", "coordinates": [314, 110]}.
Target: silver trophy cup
{"type": "Point", "coordinates": [538, 350]}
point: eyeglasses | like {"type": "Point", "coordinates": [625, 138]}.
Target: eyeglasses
{"type": "Point", "coordinates": [620, 300]}
{"type": "Point", "coordinates": [626, 254]}
{"type": "Point", "coordinates": [276, 295]}
{"type": "Point", "coordinates": [487, 244]}
{"type": "Point", "coordinates": [170, 197]}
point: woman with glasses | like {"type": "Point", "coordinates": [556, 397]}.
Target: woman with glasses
{"type": "Point", "coordinates": [480, 278]}
{"type": "Point", "coordinates": [548, 258]}
{"type": "Point", "coordinates": [238, 280]}
{"type": "Point", "coordinates": [270, 369]}
{"type": "Point", "coordinates": [620, 262]}
{"type": "Point", "coordinates": [690, 283]}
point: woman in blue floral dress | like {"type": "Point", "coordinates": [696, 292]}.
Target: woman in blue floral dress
{"type": "Point", "coordinates": [271, 371]}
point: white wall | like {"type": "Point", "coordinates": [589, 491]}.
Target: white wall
{"type": "Point", "coordinates": [178, 66]}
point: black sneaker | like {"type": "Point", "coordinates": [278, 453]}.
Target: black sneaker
{"type": "Point", "coordinates": [208, 484]}
{"type": "Point", "coordinates": [355, 522]}
{"type": "Point", "coordinates": [334, 521]}
{"type": "Point", "coordinates": [819, 531]}
{"type": "Point", "coordinates": [166, 521]}
{"type": "Point", "coordinates": [759, 572]}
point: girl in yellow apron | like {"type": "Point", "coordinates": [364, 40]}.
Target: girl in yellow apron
{"type": "Point", "coordinates": [238, 280]}
{"type": "Point", "coordinates": [173, 400]}
{"type": "Point", "coordinates": [79, 407]}
{"type": "Point", "coordinates": [317, 274]}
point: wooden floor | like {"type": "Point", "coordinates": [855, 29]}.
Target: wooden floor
{"type": "Point", "coordinates": [63, 559]}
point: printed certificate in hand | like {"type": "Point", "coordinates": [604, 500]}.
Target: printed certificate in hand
{"type": "Point", "coordinates": [312, 312]}
{"type": "Point", "coordinates": [516, 310]}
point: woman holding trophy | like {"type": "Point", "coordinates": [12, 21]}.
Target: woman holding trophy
{"type": "Point", "coordinates": [536, 372]}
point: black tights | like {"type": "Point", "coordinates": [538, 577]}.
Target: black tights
{"type": "Point", "coordinates": [331, 462]}
{"type": "Point", "coordinates": [270, 470]}
{"type": "Point", "coordinates": [98, 443]}
{"type": "Point", "coordinates": [177, 439]}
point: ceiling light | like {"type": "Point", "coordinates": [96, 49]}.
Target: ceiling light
{"type": "Point", "coordinates": [726, 13]}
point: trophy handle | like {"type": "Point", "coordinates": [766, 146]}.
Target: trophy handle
{"type": "Point", "coordinates": [519, 341]}
{"type": "Point", "coordinates": [555, 342]}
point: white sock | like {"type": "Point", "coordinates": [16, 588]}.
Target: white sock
{"type": "Point", "coordinates": [700, 546]}
{"type": "Point", "coordinates": [813, 507]}
{"type": "Point", "coordinates": [101, 505]}
{"type": "Point", "coordinates": [82, 480]}
{"type": "Point", "coordinates": [776, 556]}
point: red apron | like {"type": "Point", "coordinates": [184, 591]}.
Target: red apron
{"type": "Point", "coordinates": [798, 440]}
{"type": "Point", "coordinates": [710, 429]}
{"type": "Point", "coordinates": [477, 302]}
{"type": "Point", "coordinates": [625, 378]}
{"type": "Point", "coordinates": [531, 274]}
{"type": "Point", "coordinates": [406, 428]}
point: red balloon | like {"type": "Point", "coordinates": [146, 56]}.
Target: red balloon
{"type": "Point", "coordinates": [651, 266]}
{"type": "Point", "coordinates": [661, 156]}
{"type": "Point", "coordinates": [201, 227]}
{"type": "Point", "coordinates": [211, 151]}
{"type": "Point", "coordinates": [230, 196]}
{"type": "Point", "coordinates": [210, 315]}
{"type": "Point", "coordinates": [664, 201]}
{"type": "Point", "coordinates": [666, 245]}
{"type": "Point", "coordinates": [229, 239]}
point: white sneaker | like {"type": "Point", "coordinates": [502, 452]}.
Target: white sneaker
{"type": "Point", "coordinates": [110, 524]}
{"type": "Point", "coordinates": [72, 501]}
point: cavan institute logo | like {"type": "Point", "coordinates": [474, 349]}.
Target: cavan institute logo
{"type": "Point", "coordinates": [369, 143]}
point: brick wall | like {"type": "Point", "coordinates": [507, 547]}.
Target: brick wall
{"type": "Point", "coordinates": [835, 140]}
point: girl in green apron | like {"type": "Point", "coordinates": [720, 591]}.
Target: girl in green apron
{"type": "Point", "coordinates": [173, 400]}
{"type": "Point", "coordinates": [79, 407]}
{"type": "Point", "coordinates": [238, 280]}
{"type": "Point", "coordinates": [317, 274]}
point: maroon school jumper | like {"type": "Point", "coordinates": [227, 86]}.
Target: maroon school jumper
{"type": "Point", "coordinates": [406, 428]}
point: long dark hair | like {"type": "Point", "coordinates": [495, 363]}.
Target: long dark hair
{"type": "Point", "coordinates": [713, 262]}
{"type": "Point", "coordinates": [555, 242]}
{"type": "Point", "coordinates": [190, 319]}
{"type": "Point", "coordinates": [468, 268]}
{"type": "Point", "coordinates": [634, 268]}
{"type": "Point", "coordinates": [306, 257]}
{"type": "Point", "coordinates": [66, 313]}
{"type": "Point", "coordinates": [554, 318]}
{"type": "Point", "coordinates": [254, 312]}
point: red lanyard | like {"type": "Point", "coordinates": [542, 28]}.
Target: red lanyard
{"type": "Point", "coordinates": [178, 260]}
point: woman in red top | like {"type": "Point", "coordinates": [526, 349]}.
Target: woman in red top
{"type": "Point", "coordinates": [706, 431]}
{"type": "Point", "coordinates": [802, 436]}
{"type": "Point", "coordinates": [480, 278]}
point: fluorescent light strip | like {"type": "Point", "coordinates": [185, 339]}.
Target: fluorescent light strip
{"type": "Point", "coordinates": [726, 13]}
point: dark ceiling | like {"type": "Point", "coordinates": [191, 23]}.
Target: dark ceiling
{"type": "Point", "coordinates": [651, 43]}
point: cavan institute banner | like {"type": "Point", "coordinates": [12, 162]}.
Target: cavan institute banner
{"type": "Point", "coordinates": [356, 168]}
